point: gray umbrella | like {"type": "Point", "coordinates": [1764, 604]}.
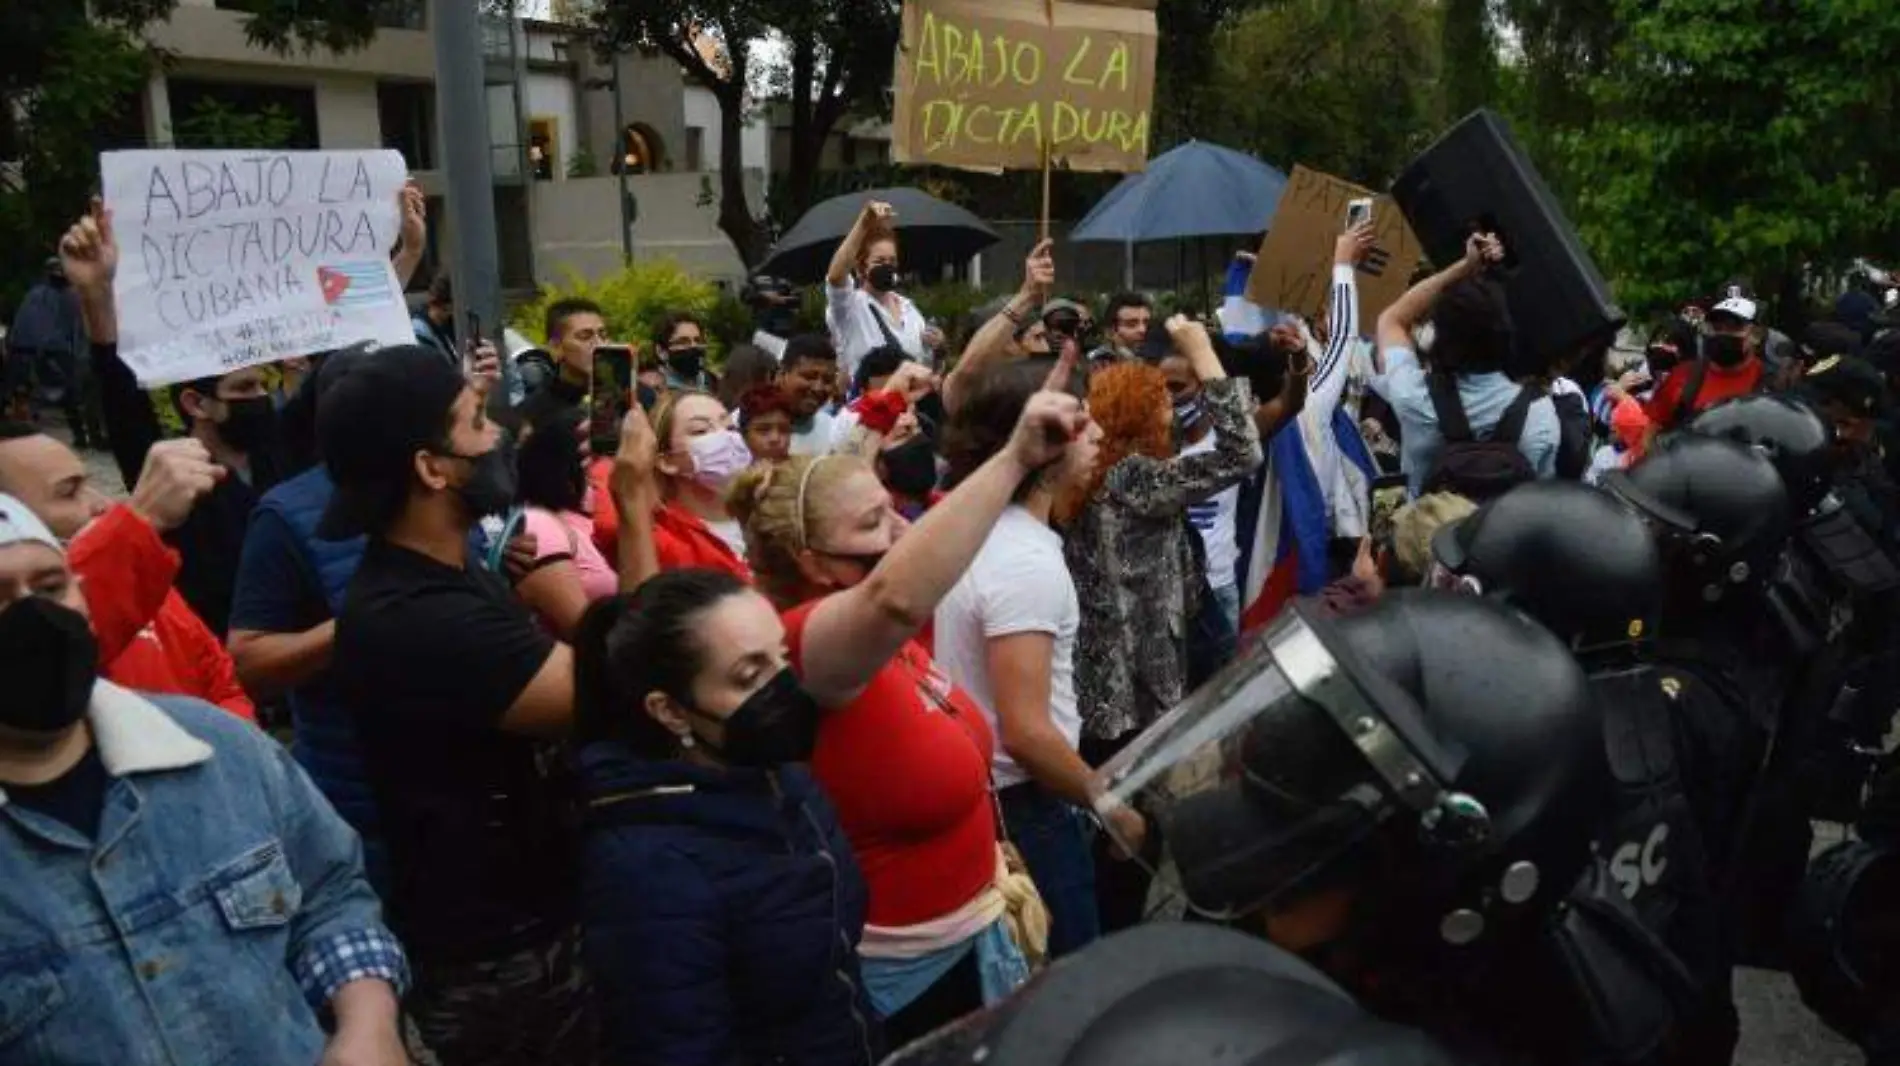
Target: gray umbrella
{"type": "Point", "coordinates": [931, 231]}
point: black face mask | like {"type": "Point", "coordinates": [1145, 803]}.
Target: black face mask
{"type": "Point", "coordinates": [490, 488]}
{"type": "Point", "coordinates": [1724, 349]}
{"type": "Point", "coordinates": [910, 469]}
{"type": "Point", "coordinates": [250, 425]}
{"type": "Point", "coordinates": [686, 362]}
{"type": "Point", "coordinates": [776, 725]}
{"type": "Point", "coordinates": [883, 277]}
{"type": "Point", "coordinates": [50, 660]}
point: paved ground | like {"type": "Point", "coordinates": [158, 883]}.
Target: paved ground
{"type": "Point", "coordinates": [1776, 1029]}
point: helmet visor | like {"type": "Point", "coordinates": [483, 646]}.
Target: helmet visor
{"type": "Point", "coordinates": [1261, 779]}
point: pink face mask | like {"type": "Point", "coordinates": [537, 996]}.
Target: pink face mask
{"type": "Point", "coordinates": [718, 457]}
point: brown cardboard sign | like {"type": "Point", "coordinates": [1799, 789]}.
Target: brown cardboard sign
{"type": "Point", "coordinates": [1294, 268]}
{"type": "Point", "coordinates": [984, 84]}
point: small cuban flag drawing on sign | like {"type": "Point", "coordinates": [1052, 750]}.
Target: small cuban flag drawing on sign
{"type": "Point", "coordinates": [349, 285]}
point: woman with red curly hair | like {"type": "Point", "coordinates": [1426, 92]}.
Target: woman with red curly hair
{"type": "Point", "coordinates": [1128, 548]}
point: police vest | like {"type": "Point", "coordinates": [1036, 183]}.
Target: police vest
{"type": "Point", "coordinates": [1650, 841]}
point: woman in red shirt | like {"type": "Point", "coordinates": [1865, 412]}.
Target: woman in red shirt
{"type": "Point", "coordinates": [700, 455]}
{"type": "Point", "coordinates": [902, 753]}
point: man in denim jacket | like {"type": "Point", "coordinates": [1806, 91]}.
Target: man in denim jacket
{"type": "Point", "coordinates": [173, 890]}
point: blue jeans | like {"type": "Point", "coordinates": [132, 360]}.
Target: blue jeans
{"type": "Point", "coordinates": [1213, 633]}
{"type": "Point", "coordinates": [1053, 837]}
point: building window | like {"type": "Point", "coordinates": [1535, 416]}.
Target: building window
{"type": "Point", "coordinates": [228, 114]}
{"type": "Point", "coordinates": [695, 149]}
{"type": "Point", "coordinates": [406, 111]}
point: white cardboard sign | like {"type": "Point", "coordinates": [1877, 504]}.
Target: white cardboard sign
{"type": "Point", "coordinates": [229, 259]}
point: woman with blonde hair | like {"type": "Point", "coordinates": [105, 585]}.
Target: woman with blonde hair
{"type": "Point", "coordinates": [903, 754]}
{"type": "Point", "coordinates": [1134, 568]}
{"type": "Point", "coordinates": [700, 455]}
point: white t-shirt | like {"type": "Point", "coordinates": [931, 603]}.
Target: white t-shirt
{"type": "Point", "coordinates": [732, 533]}
{"type": "Point", "coordinates": [815, 439]}
{"type": "Point", "coordinates": [1214, 520]}
{"type": "Point", "coordinates": [852, 316]}
{"type": "Point", "coordinates": [1019, 583]}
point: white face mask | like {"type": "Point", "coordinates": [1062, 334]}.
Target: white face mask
{"type": "Point", "coordinates": [718, 457]}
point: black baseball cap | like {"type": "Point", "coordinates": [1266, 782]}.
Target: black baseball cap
{"type": "Point", "coordinates": [374, 414]}
{"type": "Point", "coordinates": [1851, 382]}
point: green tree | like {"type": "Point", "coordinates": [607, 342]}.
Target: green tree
{"type": "Point", "coordinates": [1738, 139]}
{"type": "Point", "coordinates": [1469, 49]}
{"type": "Point", "coordinates": [214, 124]}
{"type": "Point", "coordinates": [841, 55]}
{"type": "Point", "coordinates": [1346, 86]}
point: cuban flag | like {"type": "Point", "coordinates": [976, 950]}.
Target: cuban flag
{"type": "Point", "coordinates": [1285, 514]}
{"type": "Point", "coordinates": [360, 284]}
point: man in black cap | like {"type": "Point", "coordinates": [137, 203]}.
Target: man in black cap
{"type": "Point", "coordinates": [455, 690]}
{"type": "Point", "coordinates": [1851, 394]}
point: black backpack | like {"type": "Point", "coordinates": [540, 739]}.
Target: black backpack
{"type": "Point", "coordinates": [1478, 470]}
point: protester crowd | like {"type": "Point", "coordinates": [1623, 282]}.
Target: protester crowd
{"type": "Point", "coordinates": [823, 703]}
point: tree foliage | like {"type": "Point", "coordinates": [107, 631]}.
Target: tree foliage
{"type": "Point", "coordinates": [1346, 86]}
{"type": "Point", "coordinates": [1725, 138]}
{"type": "Point", "coordinates": [841, 54]}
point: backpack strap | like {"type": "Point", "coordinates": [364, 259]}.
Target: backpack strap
{"type": "Point", "coordinates": [1453, 426]}
{"type": "Point", "coordinates": [1510, 425]}
{"type": "Point", "coordinates": [871, 308]}
{"type": "Point", "coordinates": [1691, 389]}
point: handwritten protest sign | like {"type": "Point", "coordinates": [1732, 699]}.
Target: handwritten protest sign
{"type": "Point", "coordinates": [984, 84]}
{"type": "Point", "coordinates": [1294, 269]}
{"type": "Point", "coordinates": [232, 259]}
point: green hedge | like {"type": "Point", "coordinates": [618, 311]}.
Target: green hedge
{"type": "Point", "coordinates": [633, 300]}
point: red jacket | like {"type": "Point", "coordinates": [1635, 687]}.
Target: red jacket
{"type": "Point", "coordinates": [149, 638]}
{"type": "Point", "coordinates": [606, 516]}
{"type": "Point", "coordinates": [683, 541]}
{"type": "Point", "coordinates": [1718, 384]}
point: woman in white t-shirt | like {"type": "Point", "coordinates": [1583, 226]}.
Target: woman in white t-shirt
{"type": "Point", "coordinates": [867, 311]}
{"type": "Point", "coordinates": [1006, 634]}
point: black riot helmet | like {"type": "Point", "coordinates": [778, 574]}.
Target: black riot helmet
{"type": "Point", "coordinates": [1440, 745]}
{"type": "Point", "coordinates": [1844, 938]}
{"type": "Point", "coordinates": [1793, 436]}
{"type": "Point", "coordinates": [1573, 557]}
{"type": "Point", "coordinates": [1183, 994]}
{"type": "Point", "coordinates": [1718, 507]}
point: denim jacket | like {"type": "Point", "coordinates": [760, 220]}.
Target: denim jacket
{"type": "Point", "coordinates": [221, 906]}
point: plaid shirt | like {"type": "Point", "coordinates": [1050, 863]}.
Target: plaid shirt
{"type": "Point", "coordinates": [361, 954]}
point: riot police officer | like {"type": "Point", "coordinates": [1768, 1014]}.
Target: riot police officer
{"type": "Point", "coordinates": [1406, 797]}
{"type": "Point", "coordinates": [1585, 566]}
{"type": "Point", "coordinates": [1188, 995]}
{"type": "Point", "coordinates": [1834, 599]}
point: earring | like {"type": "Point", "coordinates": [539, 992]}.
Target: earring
{"type": "Point", "coordinates": [686, 742]}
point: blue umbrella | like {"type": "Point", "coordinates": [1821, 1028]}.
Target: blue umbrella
{"type": "Point", "coordinates": [1195, 190]}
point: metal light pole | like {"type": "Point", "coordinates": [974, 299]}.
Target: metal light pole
{"type": "Point", "coordinates": [462, 105]}
{"type": "Point", "coordinates": [620, 169]}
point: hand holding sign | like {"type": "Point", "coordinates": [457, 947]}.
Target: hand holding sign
{"type": "Point", "coordinates": [1039, 270]}
{"type": "Point", "coordinates": [88, 253]}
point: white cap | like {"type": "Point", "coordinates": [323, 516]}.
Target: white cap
{"type": "Point", "coordinates": [19, 526]}
{"type": "Point", "coordinates": [1739, 306]}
